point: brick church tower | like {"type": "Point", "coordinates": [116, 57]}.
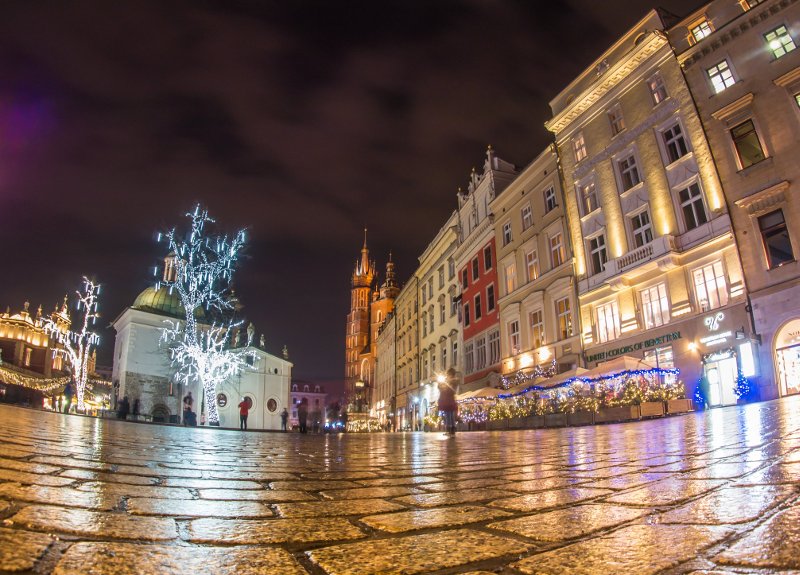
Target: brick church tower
{"type": "Point", "coordinates": [357, 341]}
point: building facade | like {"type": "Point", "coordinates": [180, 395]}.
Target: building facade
{"type": "Point", "coordinates": [407, 352]}
{"type": "Point", "coordinates": [476, 266]}
{"type": "Point", "coordinates": [385, 397]}
{"type": "Point", "coordinates": [658, 272]}
{"type": "Point", "coordinates": [741, 63]}
{"type": "Point", "coordinates": [316, 398]}
{"type": "Point", "coordinates": [537, 296]}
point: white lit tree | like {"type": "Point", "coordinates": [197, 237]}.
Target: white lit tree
{"type": "Point", "coordinates": [202, 269]}
{"type": "Point", "coordinates": [77, 346]}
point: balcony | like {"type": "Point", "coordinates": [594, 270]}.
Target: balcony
{"type": "Point", "coordinates": [632, 264]}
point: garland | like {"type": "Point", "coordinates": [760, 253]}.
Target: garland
{"type": "Point", "coordinates": [520, 377]}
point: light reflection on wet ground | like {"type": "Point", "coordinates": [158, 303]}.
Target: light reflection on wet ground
{"type": "Point", "coordinates": [708, 492]}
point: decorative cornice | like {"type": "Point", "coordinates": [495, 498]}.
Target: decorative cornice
{"type": "Point", "coordinates": [765, 199]}
{"type": "Point", "coordinates": [788, 78]}
{"type": "Point", "coordinates": [727, 111]}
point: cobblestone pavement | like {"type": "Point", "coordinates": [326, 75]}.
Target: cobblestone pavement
{"type": "Point", "coordinates": [714, 493]}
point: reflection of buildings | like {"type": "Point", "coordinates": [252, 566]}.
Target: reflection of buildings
{"type": "Point", "coordinates": [316, 397]}
{"type": "Point", "coordinates": [142, 368]}
{"type": "Point", "coordinates": [741, 63]}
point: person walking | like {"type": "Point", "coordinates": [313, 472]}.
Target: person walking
{"type": "Point", "coordinates": [69, 391]}
{"type": "Point", "coordinates": [123, 408]}
{"type": "Point", "coordinates": [284, 418]}
{"type": "Point", "coordinates": [302, 415]}
{"type": "Point", "coordinates": [188, 415]}
{"type": "Point", "coordinates": [135, 411]}
{"type": "Point", "coordinates": [447, 400]}
{"type": "Point", "coordinates": [244, 409]}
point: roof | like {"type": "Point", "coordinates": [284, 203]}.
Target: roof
{"type": "Point", "coordinates": [162, 301]}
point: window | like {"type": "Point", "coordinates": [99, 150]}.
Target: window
{"type": "Point", "coordinates": [642, 229]}
{"type": "Point", "coordinates": [527, 217]}
{"type": "Point", "coordinates": [597, 253]}
{"type": "Point", "coordinates": [511, 277]}
{"type": "Point", "coordinates": [444, 355]}
{"type": "Point", "coordinates": [478, 307]}
{"type": "Point", "coordinates": [424, 295]}
{"type": "Point", "coordinates": [513, 337]}
{"type": "Point", "coordinates": [451, 268]}
{"type": "Point", "coordinates": [453, 306]}
{"type": "Point", "coordinates": [433, 359]}
{"type": "Point", "coordinates": [579, 147]}
{"type": "Point", "coordinates": [441, 277]}
{"type": "Point", "coordinates": [628, 172]}
{"type": "Point", "coordinates": [564, 318]}
{"type": "Point", "coordinates": [675, 143]}
{"type": "Point", "coordinates": [775, 236]}
{"type": "Point", "coordinates": [532, 264]}
{"type": "Point", "coordinates": [430, 288]}
{"type": "Point", "coordinates": [550, 202]}
{"type": "Point", "coordinates": [588, 198]}
{"type": "Point", "coordinates": [747, 144]}
{"type": "Point", "coordinates": [464, 280]}
{"type": "Point", "coordinates": [431, 318]}
{"type": "Point", "coordinates": [655, 306]}
{"type": "Point", "coordinates": [779, 41]}
{"type": "Point", "coordinates": [710, 286]}
{"type": "Point", "coordinates": [469, 357]}
{"type": "Point", "coordinates": [480, 353]}
{"type": "Point", "coordinates": [657, 89]}
{"type": "Point", "coordinates": [454, 355]}
{"type": "Point", "coordinates": [476, 273]}
{"type": "Point", "coordinates": [557, 255]}
{"type": "Point", "coordinates": [608, 322]}
{"type": "Point", "coordinates": [797, 99]}
{"type": "Point", "coordinates": [490, 297]}
{"type": "Point", "coordinates": [442, 316]}
{"type": "Point", "coordinates": [692, 206]}
{"type": "Point", "coordinates": [506, 233]}
{"type": "Point", "coordinates": [494, 347]}
{"type": "Point", "coordinates": [700, 31]}
{"type": "Point", "coordinates": [536, 319]}
{"type": "Point", "coordinates": [616, 120]}
{"type": "Point", "coordinates": [487, 258]}
{"type": "Point", "coordinates": [466, 314]}
{"type": "Point", "coordinates": [721, 76]}
{"type": "Point", "coordinates": [753, 3]}
{"type": "Point", "coordinates": [27, 360]}
{"type": "Point", "coordinates": [425, 364]}
{"type": "Point", "coordinates": [424, 325]}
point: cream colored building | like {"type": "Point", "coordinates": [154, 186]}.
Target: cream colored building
{"type": "Point", "coordinates": [658, 272]}
{"type": "Point", "coordinates": [385, 393]}
{"type": "Point", "coordinates": [407, 355]}
{"type": "Point", "coordinates": [537, 295]}
{"type": "Point", "coordinates": [741, 63]}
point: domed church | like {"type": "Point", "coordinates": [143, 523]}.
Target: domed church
{"type": "Point", "coordinates": [142, 367]}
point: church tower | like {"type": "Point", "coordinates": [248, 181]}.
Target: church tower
{"type": "Point", "coordinates": [357, 340]}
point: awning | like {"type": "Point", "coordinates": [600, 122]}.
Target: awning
{"type": "Point", "coordinates": [617, 365]}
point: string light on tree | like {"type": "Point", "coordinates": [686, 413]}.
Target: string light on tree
{"type": "Point", "coordinates": [77, 346]}
{"type": "Point", "coordinates": [201, 271]}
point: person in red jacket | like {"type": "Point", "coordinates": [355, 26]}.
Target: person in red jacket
{"type": "Point", "coordinates": [447, 400]}
{"type": "Point", "coordinates": [244, 409]}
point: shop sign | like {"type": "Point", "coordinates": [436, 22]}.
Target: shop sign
{"type": "Point", "coordinates": [712, 322]}
{"type": "Point", "coordinates": [639, 345]}
{"type": "Point", "coordinates": [716, 338]}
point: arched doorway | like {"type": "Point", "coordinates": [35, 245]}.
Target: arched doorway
{"type": "Point", "coordinates": [787, 358]}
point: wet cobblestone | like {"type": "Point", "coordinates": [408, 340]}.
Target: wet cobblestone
{"type": "Point", "coordinates": [714, 493]}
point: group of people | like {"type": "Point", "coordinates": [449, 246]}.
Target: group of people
{"type": "Point", "coordinates": [124, 408]}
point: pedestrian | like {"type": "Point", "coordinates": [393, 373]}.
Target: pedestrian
{"type": "Point", "coordinates": [302, 415]}
{"type": "Point", "coordinates": [123, 408]}
{"type": "Point", "coordinates": [447, 401]}
{"type": "Point", "coordinates": [188, 414]}
{"type": "Point", "coordinates": [704, 392]}
{"type": "Point", "coordinates": [244, 409]}
{"type": "Point", "coordinates": [69, 391]}
{"type": "Point", "coordinates": [136, 409]}
{"type": "Point", "coordinates": [284, 418]}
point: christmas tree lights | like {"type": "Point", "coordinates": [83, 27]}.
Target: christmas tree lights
{"type": "Point", "coordinates": [201, 272]}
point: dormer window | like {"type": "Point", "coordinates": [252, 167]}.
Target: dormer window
{"type": "Point", "coordinates": [699, 31]}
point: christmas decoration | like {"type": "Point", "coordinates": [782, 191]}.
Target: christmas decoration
{"type": "Point", "coordinates": [743, 387]}
{"type": "Point", "coordinates": [76, 346]}
{"type": "Point", "coordinates": [521, 377]}
{"type": "Point", "coordinates": [203, 267]}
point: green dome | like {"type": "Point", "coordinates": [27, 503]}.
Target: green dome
{"type": "Point", "coordinates": [162, 302]}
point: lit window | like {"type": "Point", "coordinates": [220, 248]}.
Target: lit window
{"type": "Point", "coordinates": [506, 233]}
{"type": "Point", "coordinates": [747, 144]}
{"type": "Point", "coordinates": [597, 253]}
{"type": "Point", "coordinates": [490, 297]}
{"type": "Point", "coordinates": [608, 322]}
{"type": "Point", "coordinates": [536, 319]}
{"type": "Point", "coordinates": [710, 286]}
{"type": "Point", "coordinates": [511, 277]}
{"type": "Point", "coordinates": [721, 76]}
{"type": "Point", "coordinates": [775, 235]}
{"type": "Point", "coordinates": [616, 120]}
{"type": "Point", "coordinates": [480, 353]}
{"type": "Point", "coordinates": [628, 172]}
{"type": "Point", "coordinates": [564, 318]}
{"type": "Point", "coordinates": [700, 31]}
{"type": "Point", "coordinates": [475, 269]}
{"type": "Point", "coordinates": [532, 264]}
{"type": "Point", "coordinates": [675, 143]}
{"type": "Point", "coordinates": [692, 206]}
{"type": "Point", "coordinates": [797, 99]}
{"type": "Point", "coordinates": [27, 360]}
{"type": "Point", "coordinates": [557, 255]}
{"type": "Point", "coordinates": [779, 41]}
{"type": "Point", "coordinates": [527, 217]}
{"type": "Point", "coordinates": [752, 3]}
{"type": "Point", "coordinates": [588, 198]}
{"type": "Point", "coordinates": [487, 258]}
{"type": "Point", "coordinates": [658, 91]}
{"type": "Point", "coordinates": [550, 202]}
{"type": "Point", "coordinates": [513, 337]}
{"type": "Point", "coordinates": [579, 147]}
{"type": "Point", "coordinates": [655, 306]}
{"type": "Point", "coordinates": [494, 347]}
{"type": "Point", "coordinates": [478, 307]}
{"type": "Point", "coordinates": [642, 229]}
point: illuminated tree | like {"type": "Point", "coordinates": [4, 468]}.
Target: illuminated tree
{"type": "Point", "coordinates": [202, 269]}
{"type": "Point", "coordinates": [77, 346]}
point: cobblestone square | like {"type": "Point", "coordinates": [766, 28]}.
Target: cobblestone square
{"type": "Point", "coordinates": [712, 492]}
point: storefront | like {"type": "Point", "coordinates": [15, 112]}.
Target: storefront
{"type": "Point", "coordinates": [787, 358]}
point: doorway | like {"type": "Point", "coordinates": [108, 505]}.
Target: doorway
{"type": "Point", "coordinates": [721, 372]}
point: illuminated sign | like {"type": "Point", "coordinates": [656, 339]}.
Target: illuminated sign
{"type": "Point", "coordinates": [712, 322]}
{"type": "Point", "coordinates": [645, 344]}
{"type": "Point", "coordinates": [716, 338]}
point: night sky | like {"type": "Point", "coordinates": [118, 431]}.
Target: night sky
{"type": "Point", "coordinates": [302, 121]}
